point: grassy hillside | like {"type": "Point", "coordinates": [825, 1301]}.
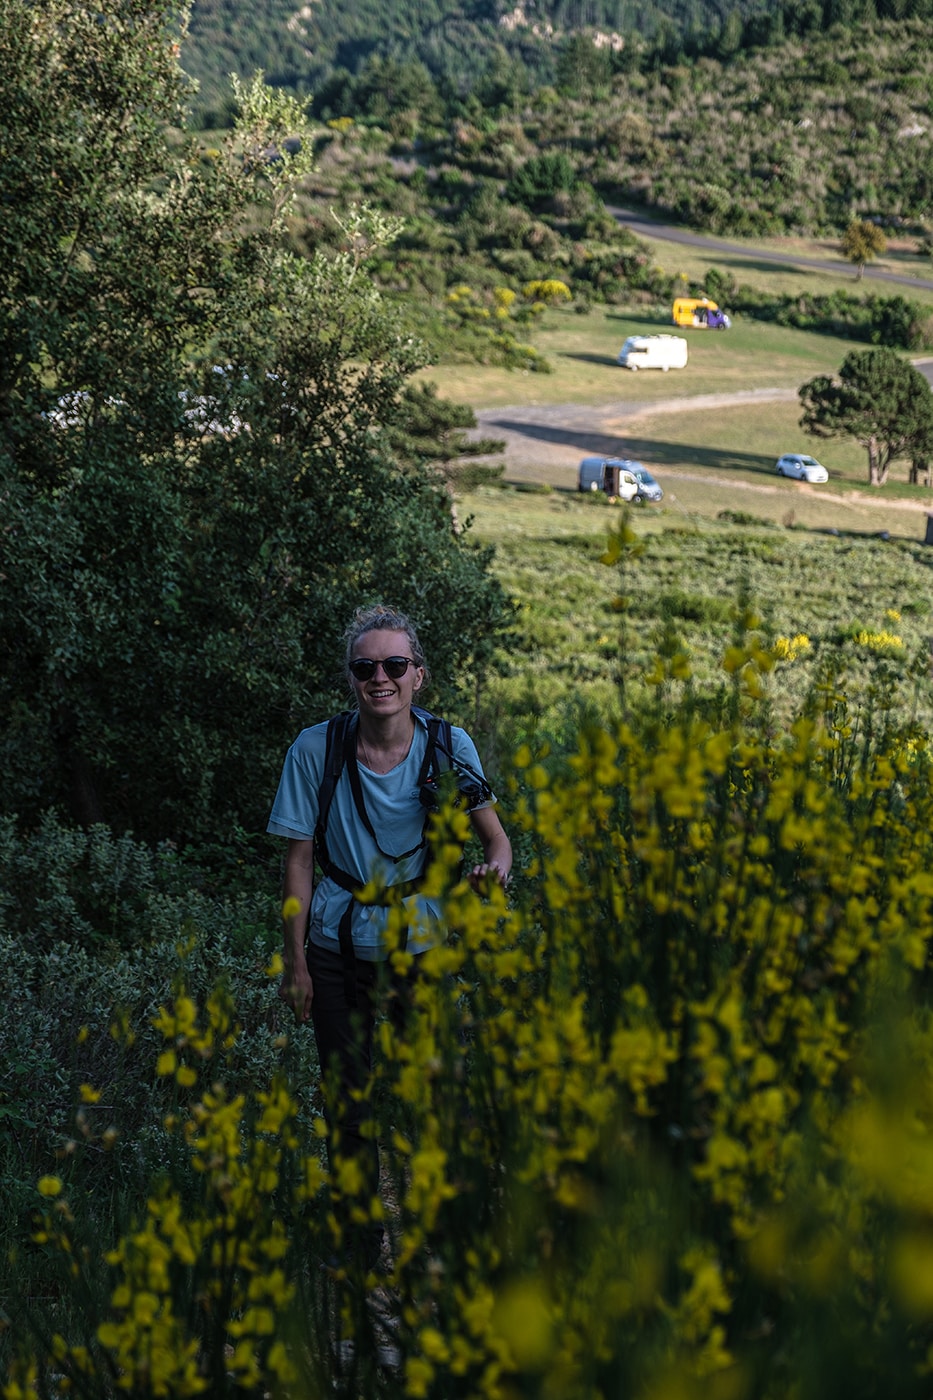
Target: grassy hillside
{"type": "Point", "coordinates": [582, 348]}
{"type": "Point", "coordinates": [488, 52]}
{"type": "Point", "coordinates": [487, 214]}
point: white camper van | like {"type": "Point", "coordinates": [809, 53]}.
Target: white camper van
{"type": "Point", "coordinates": [653, 352]}
{"type": "Point", "coordinates": [614, 475]}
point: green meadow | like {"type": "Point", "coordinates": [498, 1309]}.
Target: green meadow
{"type": "Point", "coordinates": [582, 348]}
{"type": "Point", "coordinates": [683, 586]}
{"type": "Point", "coordinates": [831, 562]}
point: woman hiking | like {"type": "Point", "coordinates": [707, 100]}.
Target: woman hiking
{"type": "Point", "coordinates": [356, 794]}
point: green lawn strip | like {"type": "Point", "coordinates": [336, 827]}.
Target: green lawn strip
{"type": "Point", "coordinates": [583, 350]}
{"type": "Point", "coordinates": [563, 651]}
{"type": "Point", "coordinates": [712, 459]}
{"type": "Point", "coordinates": [729, 455]}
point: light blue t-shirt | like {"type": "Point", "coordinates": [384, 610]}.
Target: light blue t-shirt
{"type": "Point", "coordinates": [396, 815]}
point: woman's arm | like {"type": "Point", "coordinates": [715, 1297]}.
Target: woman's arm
{"type": "Point", "coordinates": [296, 988]}
{"type": "Point", "coordinates": [497, 848]}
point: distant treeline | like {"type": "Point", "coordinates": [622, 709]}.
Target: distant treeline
{"type": "Point", "coordinates": [438, 55]}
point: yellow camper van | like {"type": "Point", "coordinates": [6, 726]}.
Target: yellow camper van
{"type": "Point", "coordinates": [700, 313]}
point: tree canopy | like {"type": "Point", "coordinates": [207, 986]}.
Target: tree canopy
{"type": "Point", "coordinates": [879, 399]}
{"type": "Point", "coordinates": [196, 483]}
{"type": "Point", "coordinates": [861, 243]}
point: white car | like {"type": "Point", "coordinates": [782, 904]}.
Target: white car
{"type": "Point", "coordinates": [804, 468]}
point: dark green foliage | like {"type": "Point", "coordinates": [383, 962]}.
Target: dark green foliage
{"type": "Point", "coordinates": [894, 321]}
{"type": "Point", "coordinates": [697, 607]}
{"type": "Point", "coordinates": [432, 431]}
{"type": "Point", "coordinates": [540, 179]}
{"type": "Point", "coordinates": [382, 89]}
{"type": "Point", "coordinates": [582, 68]}
{"type": "Point", "coordinates": [482, 65]}
{"type": "Point", "coordinates": [744, 517]}
{"type": "Point", "coordinates": [752, 119]}
{"type": "Point", "coordinates": [66, 886]}
{"type": "Point", "coordinates": [65, 1004]}
{"type": "Point", "coordinates": [195, 492]}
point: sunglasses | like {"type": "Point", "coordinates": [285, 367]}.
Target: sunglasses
{"type": "Point", "coordinates": [363, 668]}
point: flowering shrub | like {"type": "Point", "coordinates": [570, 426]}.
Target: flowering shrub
{"type": "Point", "coordinates": [549, 291]}
{"type": "Point", "coordinates": [493, 327]}
{"type": "Point", "coordinates": [658, 1123]}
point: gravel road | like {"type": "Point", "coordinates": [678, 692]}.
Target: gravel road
{"type": "Point", "coordinates": [545, 444]}
{"type": "Point", "coordinates": [559, 434]}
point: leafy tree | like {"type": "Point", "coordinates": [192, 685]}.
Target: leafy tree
{"type": "Point", "coordinates": [431, 434]}
{"type": "Point", "coordinates": [433, 430]}
{"type": "Point", "coordinates": [581, 66]}
{"type": "Point", "coordinates": [540, 178]}
{"type": "Point", "coordinates": [195, 490]}
{"type": "Point", "coordinates": [720, 285]}
{"type": "Point", "coordinates": [802, 16]}
{"type": "Point", "coordinates": [879, 399]}
{"type": "Point", "coordinates": [730, 38]}
{"type": "Point", "coordinates": [385, 86]}
{"type": "Point", "coordinates": [861, 243]}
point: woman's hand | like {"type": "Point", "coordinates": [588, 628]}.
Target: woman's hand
{"type": "Point", "coordinates": [481, 876]}
{"type": "Point", "coordinates": [297, 991]}
{"type": "Point", "coordinates": [497, 850]}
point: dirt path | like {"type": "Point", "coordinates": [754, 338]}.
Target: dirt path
{"type": "Point", "coordinates": [545, 443]}
{"type": "Point", "coordinates": [556, 435]}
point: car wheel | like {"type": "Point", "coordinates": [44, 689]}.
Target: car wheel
{"type": "Point", "coordinates": [638, 499]}
{"type": "Point", "coordinates": [780, 471]}
{"type": "Point", "coordinates": [633, 368]}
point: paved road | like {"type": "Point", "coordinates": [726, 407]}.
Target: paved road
{"type": "Point", "coordinates": [650, 228]}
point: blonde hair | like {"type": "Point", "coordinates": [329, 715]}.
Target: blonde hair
{"type": "Point", "coordinates": [381, 618]}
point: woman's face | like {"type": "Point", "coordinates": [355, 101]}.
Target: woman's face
{"type": "Point", "coordinates": [382, 695]}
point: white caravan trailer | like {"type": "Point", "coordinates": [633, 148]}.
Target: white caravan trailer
{"type": "Point", "coordinates": [653, 352]}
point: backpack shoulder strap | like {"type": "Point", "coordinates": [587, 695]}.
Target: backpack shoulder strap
{"type": "Point", "coordinates": [340, 732]}
{"type": "Point", "coordinates": [437, 752]}
{"type": "Point", "coordinates": [340, 754]}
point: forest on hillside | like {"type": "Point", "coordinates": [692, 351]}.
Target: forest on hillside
{"type": "Point", "coordinates": [491, 50]}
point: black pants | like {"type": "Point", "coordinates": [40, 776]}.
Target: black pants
{"type": "Point", "coordinates": [344, 1036]}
